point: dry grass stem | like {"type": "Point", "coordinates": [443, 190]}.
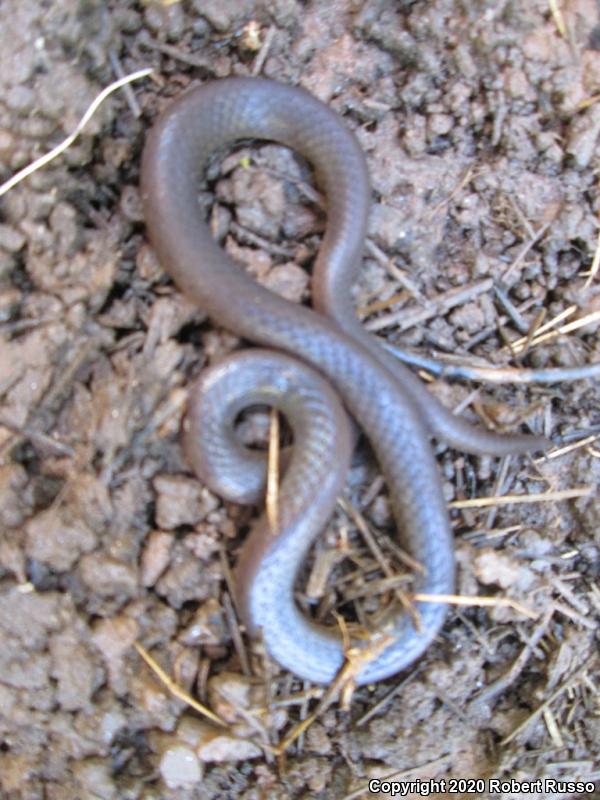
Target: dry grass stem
{"type": "Point", "coordinates": [175, 690]}
{"type": "Point", "coordinates": [64, 145]}
{"type": "Point", "coordinates": [381, 305]}
{"type": "Point", "coordinates": [236, 635]}
{"type": "Point", "coordinates": [569, 448]}
{"type": "Point", "coordinates": [264, 51]}
{"type": "Point", "coordinates": [466, 600]}
{"type": "Point", "coordinates": [272, 499]}
{"type": "Point", "coordinates": [509, 499]}
{"type": "Point", "coordinates": [543, 337]}
{"type": "Point", "coordinates": [394, 271]}
{"type": "Point", "coordinates": [557, 15]}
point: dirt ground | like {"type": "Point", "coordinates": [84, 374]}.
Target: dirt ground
{"type": "Point", "coordinates": [481, 129]}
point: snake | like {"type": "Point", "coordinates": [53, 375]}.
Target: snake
{"type": "Point", "coordinates": [317, 365]}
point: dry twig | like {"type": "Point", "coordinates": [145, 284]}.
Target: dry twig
{"type": "Point", "coordinates": [403, 320]}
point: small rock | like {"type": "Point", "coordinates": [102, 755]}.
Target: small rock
{"type": "Point", "coordinates": [187, 579]}
{"type": "Point", "coordinates": [191, 730]}
{"type": "Point", "coordinates": [166, 19]}
{"type": "Point", "coordinates": [439, 124]}
{"type": "Point", "coordinates": [491, 567]}
{"type": "Point", "coordinates": [10, 299]}
{"type": "Point", "coordinates": [30, 616]}
{"type": "Point", "coordinates": [289, 281]}
{"type": "Point", "coordinates": [108, 577]}
{"type": "Point", "coordinates": [380, 511]}
{"type": "Point", "coordinates": [220, 14]}
{"type": "Point", "coordinates": [95, 777]}
{"type": "Point", "coordinates": [130, 204]}
{"type": "Point", "coordinates": [469, 317]}
{"type": "Point", "coordinates": [54, 538]}
{"type": "Point", "coordinates": [179, 767]}
{"type": "Point", "coordinates": [317, 739]}
{"type": "Point", "coordinates": [148, 265]}
{"type": "Point", "coordinates": [260, 201]}
{"type": "Point", "coordinates": [208, 626]}
{"type": "Point", "coordinates": [21, 99]}
{"type": "Point", "coordinates": [227, 692]}
{"type": "Point", "coordinates": [517, 85]}
{"type": "Point", "coordinates": [534, 543]}
{"type": "Point", "coordinates": [32, 671]}
{"type": "Point", "coordinates": [212, 744]}
{"type": "Point", "coordinates": [220, 221]}
{"type": "Point", "coordinates": [155, 557]}
{"type": "Point", "coordinates": [18, 770]}
{"type": "Point", "coordinates": [386, 225]}
{"type": "Point", "coordinates": [221, 747]}
{"type": "Point", "coordinates": [167, 316]}
{"type": "Point", "coordinates": [13, 479]}
{"type": "Point", "coordinates": [181, 501]}
{"type": "Point", "coordinates": [11, 240]}
{"type": "Point", "coordinates": [113, 638]}
{"type": "Point", "coordinates": [12, 559]}
{"type": "Point", "coordinates": [256, 262]}
{"type": "Point", "coordinates": [74, 671]}
{"type": "Point", "coordinates": [7, 144]}
{"type": "Point", "coordinates": [583, 136]}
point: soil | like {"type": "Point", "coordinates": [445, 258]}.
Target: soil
{"type": "Point", "coordinates": [481, 130]}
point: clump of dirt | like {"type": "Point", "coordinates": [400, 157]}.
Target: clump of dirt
{"type": "Point", "coordinates": [480, 125]}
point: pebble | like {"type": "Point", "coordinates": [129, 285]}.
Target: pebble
{"type": "Point", "coordinates": [582, 138]}
{"type": "Point", "coordinates": [227, 692]}
{"type": "Point", "coordinates": [114, 637]}
{"type": "Point", "coordinates": [56, 539]}
{"type": "Point", "coordinates": [217, 746]}
{"type": "Point", "coordinates": [288, 281]}
{"type": "Point", "coordinates": [130, 204]}
{"type": "Point", "coordinates": [180, 767]}
{"type": "Point", "coordinates": [107, 577]}
{"type": "Point", "coordinates": [210, 743]}
{"type": "Point", "coordinates": [208, 626]}
{"type": "Point", "coordinates": [491, 567]}
{"type": "Point", "coordinates": [439, 124]}
{"type": "Point", "coordinates": [11, 240]}
{"type": "Point", "coordinates": [155, 557]}
{"type": "Point", "coordinates": [221, 15]}
{"type": "Point", "coordinates": [74, 671]}
{"type": "Point", "coordinates": [13, 480]}
{"type": "Point", "coordinates": [95, 776]}
{"type": "Point", "coordinates": [181, 501]}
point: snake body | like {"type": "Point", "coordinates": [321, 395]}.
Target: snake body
{"type": "Point", "coordinates": [316, 358]}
